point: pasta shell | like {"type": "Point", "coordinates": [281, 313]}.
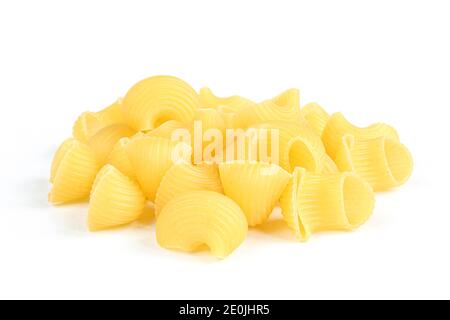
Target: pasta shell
{"type": "Point", "coordinates": [384, 163]}
{"type": "Point", "coordinates": [74, 174]}
{"type": "Point", "coordinates": [201, 218]}
{"type": "Point", "coordinates": [112, 114]}
{"type": "Point", "coordinates": [316, 117]}
{"type": "Point", "coordinates": [166, 129]}
{"type": "Point", "coordinates": [115, 200]}
{"type": "Point", "coordinates": [119, 158]}
{"type": "Point", "coordinates": [59, 156]}
{"type": "Point", "coordinates": [325, 202]}
{"type": "Point", "coordinates": [234, 103]}
{"type": "Point", "coordinates": [255, 186]}
{"type": "Point", "coordinates": [86, 126]}
{"type": "Point", "coordinates": [104, 141]}
{"type": "Point", "coordinates": [337, 127]}
{"type": "Point", "coordinates": [285, 107]}
{"type": "Point", "coordinates": [151, 157]}
{"type": "Point", "coordinates": [184, 178]}
{"type": "Point", "coordinates": [156, 100]}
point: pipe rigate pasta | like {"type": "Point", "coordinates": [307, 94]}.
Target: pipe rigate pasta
{"type": "Point", "coordinates": [202, 218]}
{"type": "Point", "coordinates": [166, 129]}
{"type": "Point", "coordinates": [233, 103]}
{"type": "Point", "coordinates": [183, 178]}
{"type": "Point", "coordinates": [103, 142]}
{"type": "Point", "coordinates": [119, 158]}
{"type": "Point", "coordinates": [155, 100]}
{"type": "Point", "coordinates": [255, 186]}
{"type": "Point", "coordinates": [115, 200]}
{"type": "Point", "coordinates": [338, 126]}
{"type": "Point", "coordinates": [384, 163]}
{"type": "Point", "coordinates": [74, 173]}
{"type": "Point", "coordinates": [316, 117]}
{"type": "Point", "coordinates": [324, 202]}
{"type": "Point", "coordinates": [151, 157]}
{"type": "Point", "coordinates": [59, 156]}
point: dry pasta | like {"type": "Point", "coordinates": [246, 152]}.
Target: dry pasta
{"type": "Point", "coordinates": [183, 178]}
{"type": "Point", "coordinates": [119, 158]}
{"type": "Point", "coordinates": [166, 129]}
{"type": "Point", "coordinates": [202, 218]}
{"type": "Point", "coordinates": [115, 200]}
{"type": "Point", "coordinates": [156, 100]}
{"type": "Point", "coordinates": [384, 163]}
{"type": "Point", "coordinates": [233, 103]}
{"type": "Point", "coordinates": [151, 157]}
{"type": "Point", "coordinates": [324, 202]}
{"type": "Point", "coordinates": [75, 168]}
{"type": "Point", "coordinates": [316, 117]}
{"type": "Point", "coordinates": [59, 156]}
{"type": "Point", "coordinates": [255, 186]}
{"type": "Point", "coordinates": [338, 126]}
{"type": "Point", "coordinates": [103, 142]}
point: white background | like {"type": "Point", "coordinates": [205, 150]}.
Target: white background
{"type": "Point", "coordinates": [373, 60]}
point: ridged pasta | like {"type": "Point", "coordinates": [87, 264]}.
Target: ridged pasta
{"type": "Point", "coordinates": [112, 114]}
{"type": "Point", "coordinates": [59, 156]}
{"type": "Point", "coordinates": [324, 202]}
{"type": "Point", "coordinates": [316, 117]}
{"type": "Point", "coordinates": [119, 158]}
{"type": "Point", "coordinates": [74, 174]}
{"type": "Point", "coordinates": [151, 157]}
{"type": "Point", "coordinates": [87, 125]}
{"type": "Point", "coordinates": [255, 186]}
{"type": "Point", "coordinates": [384, 163]}
{"type": "Point", "coordinates": [285, 107]}
{"type": "Point", "coordinates": [233, 103]}
{"type": "Point", "coordinates": [183, 178]}
{"type": "Point", "coordinates": [166, 129]}
{"type": "Point", "coordinates": [337, 127]}
{"type": "Point", "coordinates": [115, 200]}
{"type": "Point", "coordinates": [210, 119]}
{"type": "Point", "coordinates": [156, 100]}
{"type": "Point", "coordinates": [103, 142]}
{"type": "Point", "coordinates": [200, 218]}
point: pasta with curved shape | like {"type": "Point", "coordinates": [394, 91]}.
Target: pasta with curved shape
{"type": "Point", "coordinates": [74, 175]}
{"type": "Point", "coordinates": [316, 117]}
{"type": "Point", "coordinates": [112, 114]}
{"type": "Point", "coordinates": [156, 100]}
{"type": "Point", "coordinates": [151, 157]}
{"type": "Point", "coordinates": [59, 155]}
{"type": "Point", "coordinates": [285, 107]}
{"type": "Point", "coordinates": [103, 142]}
{"type": "Point", "coordinates": [255, 186]}
{"type": "Point", "coordinates": [382, 162]}
{"type": "Point", "coordinates": [338, 126]}
{"type": "Point", "coordinates": [233, 103]}
{"type": "Point", "coordinates": [325, 202]}
{"type": "Point", "coordinates": [201, 218]}
{"type": "Point", "coordinates": [210, 119]}
{"type": "Point", "coordinates": [116, 200]}
{"type": "Point", "coordinates": [87, 125]}
{"type": "Point", "coordinates": [183, 178]}
{"type": "Point", "coordinates": [119, 158]}
{"type": "Point", "coordinates": [166, 129]}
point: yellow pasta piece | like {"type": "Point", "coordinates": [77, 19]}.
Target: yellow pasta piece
{"type": "Point", "coordinates": [299, 146]}
{"type": "Point", "coordinates": [74, 175]}
{"type": "Point", "coordinates": [324, 202]}
{"type": "Point", "coordinates": [384, 163]}
{"type": "Point", "coordinates": [337, 127]}
{"type": "Point", "coordinates": [329, 166]}
{"type": "Point", "coordinates": [255, 186]}
{"type": "Point", "coordinates": [151, 157]}
{"type": "Point", "coordinates": [115, 200]}
{"type": "Point", "coordinates": [156, 100]}
{"type": "Point", "coordinates": [119, 158]}
{"type": "Point", "coordinates": [210, 119]}
{"type": "Point", "coordinates": [87, 125]}
{"type": "Point", "coordinates": [166, 129]}
{"type": "Point", "coordinates": [233, 103]}
{"type": "Point", "coordinates": [200, 218]}
{"type": "Point", "coordinates": [103, 142]}
{"type": "Point", "coordinates": [112, 114]}
{"type": "Point", "coordinates": [184, 178]}
{"type": "Point", "coordinates": [316, 117]}
{"type": "Point", "coordinates": [285, 107]}
{"type": "Point", "coordinates": [59, 156]}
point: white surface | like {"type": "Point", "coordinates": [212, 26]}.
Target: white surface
{"type": "Point", "coordinates": [374, 61]}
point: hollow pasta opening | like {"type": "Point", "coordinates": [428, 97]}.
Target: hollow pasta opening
{"type": "Point", "coordinates": [161, 119]}
{"type": "Point", "coordinates": [399, 160]}
{"type": "Point", "coordinates": [300, 155]}
{"type": "Point", "coordinates": [358, 200]}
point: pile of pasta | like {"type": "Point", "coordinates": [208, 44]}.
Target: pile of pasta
{"type": "Point", "coordinates": [120, 159]}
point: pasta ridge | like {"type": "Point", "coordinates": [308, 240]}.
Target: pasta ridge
{"type": "Point", "coordinates": [316, 117]}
